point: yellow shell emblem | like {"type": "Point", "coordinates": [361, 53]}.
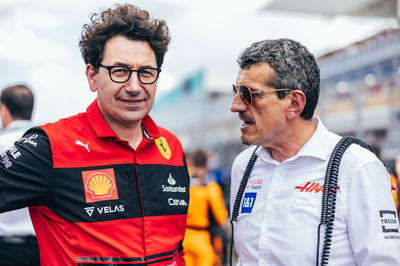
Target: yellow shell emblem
{"type": "Point", "coordinates": [163, 147]}
{"type": "Point", "coordinates": [100, 185]}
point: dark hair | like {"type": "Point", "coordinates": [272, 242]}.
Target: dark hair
{"type": "Point", "coordinates": [124, 20]}
{"type": "Point", "coordinates": [199, 158]}
{"type": "Point", "coordinates": [19, 101]}
{"type": "Point", "coordinates": [295, 68]}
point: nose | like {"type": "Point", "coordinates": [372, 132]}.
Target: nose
{"type": "Point", "coordinates": [237, 104]}
{"type": "Point", "coordinates": [133, 85]}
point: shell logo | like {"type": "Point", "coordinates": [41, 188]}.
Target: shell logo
{"type": "Point", "coordinates": [100, 185]}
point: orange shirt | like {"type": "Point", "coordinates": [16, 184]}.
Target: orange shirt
{"type": "Point", "coordinates": [204, 199]}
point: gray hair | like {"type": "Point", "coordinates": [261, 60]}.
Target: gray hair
{"type": "Point", "coordinates": [295, 68]}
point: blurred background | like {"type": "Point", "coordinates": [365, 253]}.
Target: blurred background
{"type": "Point", "coordinates": [357, 44]}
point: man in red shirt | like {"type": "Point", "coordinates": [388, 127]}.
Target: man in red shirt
{"type": "Point", "coordinates": [107, 186]}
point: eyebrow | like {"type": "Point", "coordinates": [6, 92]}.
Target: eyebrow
{"type": "Point", "coordinates": [126, 65]}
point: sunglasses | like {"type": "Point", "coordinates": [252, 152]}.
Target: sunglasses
{"type": "Point", "coordinates": [247, 95]}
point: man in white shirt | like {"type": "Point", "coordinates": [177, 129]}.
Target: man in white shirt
{"type": "Point", "coordinates": [18, 245]}
{"type": "Point", "coordinates": [276, 92]}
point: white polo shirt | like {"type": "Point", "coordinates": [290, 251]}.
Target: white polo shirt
{"type": "Point", "coordinates": [281, 207]}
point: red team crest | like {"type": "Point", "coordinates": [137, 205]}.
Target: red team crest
{"type": "Point", "coordinates": [100, 185]}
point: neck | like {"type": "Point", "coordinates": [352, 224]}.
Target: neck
{"type": "Point", "coordinates": [132, 133]}
{"type": "Point", "coordinates": [292, 140]}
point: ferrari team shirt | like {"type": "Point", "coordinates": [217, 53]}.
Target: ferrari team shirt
{"type": "Point", "coordinates": [93, 199]}
{"type": "Point", "coordinates": [280, 210]}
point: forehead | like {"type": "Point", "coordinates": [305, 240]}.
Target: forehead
{"type": "Point", "coordinates": [120, 49]}
{"type": "Point", "coordinates": [259, 73]}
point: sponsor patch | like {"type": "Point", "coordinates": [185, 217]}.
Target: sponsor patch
{"type": "Point", "coordinates": [254, 184]}
{"type": "Point", "coordinates": [171, 188]}
{"type": "Point", "coordinates": [171, 180]}
{"type": "Point", "coordinates": [248, 202]}
{"type": "Point", "coordinates": [14, 152]}
{"type": "Point", "coordinates": [312, 187]}
{"type": "Point", "coordinates": [80, 143]}
{"type": "Point", "coordinates": [100, 185]}
{"type": "Point", "coordinates": [105, 209]}
{"type": "Point", "coordinates": [29, 140]}
{"type": "Point", "coordinates": [5, 160]}
{"type": "Point", "coordinates": [89, 211]}
{"type": "Point", "coordinates": [177, 202]}
{"type": "Point", "coordinates": [389, 221]}
{"type": "Point", "coordinates": [163, 147]}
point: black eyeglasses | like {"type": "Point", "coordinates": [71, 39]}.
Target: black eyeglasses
{"type": "Point", "coordinates": [121, 74]}
{"type": "Point", "coordinates": [246, 94]}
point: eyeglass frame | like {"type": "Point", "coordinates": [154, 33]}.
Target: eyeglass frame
{"type": "Point", "coordinates": [109, 68]}
{"type": "Point", "coordinates": [251, 92]}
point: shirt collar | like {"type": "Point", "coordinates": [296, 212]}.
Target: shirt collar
{"type": "Point", "coordinates": [319, 146]}
{"type": "Point", "coordinates": [102, 129]}
{"type": "Point", "coordinates": [19, 124]}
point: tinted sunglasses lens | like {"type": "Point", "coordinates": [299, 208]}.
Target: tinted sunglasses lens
{"type": "Point", "coordinates": [245, 94]}
{"type": "Point", "coordinates": [234, 89]}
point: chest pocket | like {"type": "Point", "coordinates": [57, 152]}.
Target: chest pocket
{"type": "Point", "coordinates": [306, 205]}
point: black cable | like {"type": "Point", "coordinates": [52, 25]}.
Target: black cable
{"type": "Point", "coordinates": [239, 195]}
{"type": "Point", "coordinates": [329, 194]}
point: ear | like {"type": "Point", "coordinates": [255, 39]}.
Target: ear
{"type": "Point", "coordinates": [91, 76]}
{"type": "Point", "coordinates": [297, 102]}
{"type": "Point", "coordinates": [5, 115]}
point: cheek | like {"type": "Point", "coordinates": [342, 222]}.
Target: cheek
{"type": "Point", "coordinates": [151, 93]}
{"type": "Point", "coordinates": [152, 90]}
{"type": "Point", "coordinates": [266, 122]}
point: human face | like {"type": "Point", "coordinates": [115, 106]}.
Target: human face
{"type": "Point", "coordinates": [123, 104]}
{"type": "Point", "coordinates": [264, 120]}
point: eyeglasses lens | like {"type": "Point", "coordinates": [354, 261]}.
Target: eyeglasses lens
{"type": "Point", "coordinates": [120, 74]}
{"type": "Point", "coordinates": [147, 75]}
{"type": "Point", "coordinates": [245, 94]}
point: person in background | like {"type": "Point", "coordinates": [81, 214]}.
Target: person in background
{"type": "Point", "coordinates": [275, 95]}
{"type": "Point", "coordinates": [206, 209]}
{"type": "Point", "coordinates": [18, 244]}
{"type": "Point", "coordinates": [107, 186]}
{"type": "Point", "coordinates": [395, 175]}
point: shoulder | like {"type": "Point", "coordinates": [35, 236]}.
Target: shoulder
{"type": "Point", "coordinates": [170, 138]}
{"type": "Point", "coordinates": [167, 134]}
{"type": "Point", "coordinates": [361, 165]}
{"type": "Point", "coordinates": [66, 130]}
{"type": "Point", "coordinates": [213, 187]}
{"type": "Point", "coordinates": [357, 154]}
{"type": "Point", "coordinates": [33, 145]}
{"type": "Point", "coordinates": [69, 123]}
{"type": "Point", "coordinates": [35, 137]}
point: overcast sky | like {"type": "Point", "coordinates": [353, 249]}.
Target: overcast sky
{"type": "Point", "coordinates": [39, 43]}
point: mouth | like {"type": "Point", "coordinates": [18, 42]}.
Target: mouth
{"type": "Point", "coordinates": [132, 101]}
{"type": "Point", "coordinates": [247, 120]}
